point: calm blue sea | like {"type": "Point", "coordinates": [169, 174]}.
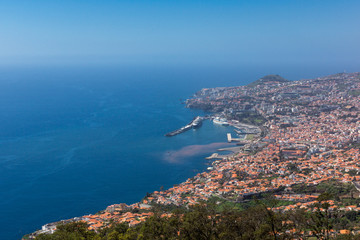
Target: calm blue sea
{"type": "Point", "coordinates": [74, 140]}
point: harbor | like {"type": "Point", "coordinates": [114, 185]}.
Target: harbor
{"type": "Point", "coordinates": [246, 135]}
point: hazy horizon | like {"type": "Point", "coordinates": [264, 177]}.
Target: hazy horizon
{"type": "Point", "coordinates": [186, 33]}
{"type": "Point", "coordinates": [89, 88]}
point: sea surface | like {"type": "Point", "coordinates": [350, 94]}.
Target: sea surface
{"type": "Point", "coordinates": [74, 140]}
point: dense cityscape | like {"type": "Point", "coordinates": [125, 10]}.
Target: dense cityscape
{"type": "Point", "coordinates": [309, 137]}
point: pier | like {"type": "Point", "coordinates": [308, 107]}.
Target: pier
{"type": "Point", "coordinates": [195, 123]}
{"type": "Point", "coordinates": [231, 139]}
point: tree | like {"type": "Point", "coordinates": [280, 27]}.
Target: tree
{"type": "Point", "coordinates": [115, 231]}
{"type": "Point", "coordinates": [321, 220]}
{"type": "Point", "coordinates": [157, 228]}
{"type": "Point", "coordinates": [199, 223]}
{"type": "Point", "coordinates": [69, 231]}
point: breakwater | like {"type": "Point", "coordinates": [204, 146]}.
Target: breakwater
{"type": "Point", "coordinates": [195, 123]}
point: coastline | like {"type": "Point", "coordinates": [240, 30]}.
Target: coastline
{"type": "Point", "coordinates": [144, 205]}
{"type": "Point", "coordinates": [274, 164]}
{"type": "Point", "coordinates": [125, 143]}
{"type": "Point", "coordinates": [140, 205]}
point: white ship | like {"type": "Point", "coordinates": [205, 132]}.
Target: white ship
{"type": "Point", "coordinates": [220, 121]}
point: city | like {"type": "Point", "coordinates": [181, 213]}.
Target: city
{"type": "Point", "coordinates": [310, 136]}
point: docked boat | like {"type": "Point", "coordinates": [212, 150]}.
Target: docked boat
{"type": "Point", "coordinates": [194, 124]}
{"type": "Point", "coordinates": [220, 121]}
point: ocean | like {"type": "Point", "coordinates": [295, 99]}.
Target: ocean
{"type": "Point", "coordinates": [74, 140]}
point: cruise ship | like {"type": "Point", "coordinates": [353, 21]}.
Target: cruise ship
{"type": "Point", "coordinates": [220, 121]}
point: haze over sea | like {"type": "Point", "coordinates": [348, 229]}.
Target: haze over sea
{"type": "Point", "coordinates": [74, 140]}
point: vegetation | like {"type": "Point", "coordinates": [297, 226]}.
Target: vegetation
{"type": "Point", "coordinates": [252, 219]}
{"type": "Point", "coordinates": [206, 221]}
{"type": "Point", "coordinates": [74, 230]}
{"type": "Point", "coordinates": [268, 78]}
{"type": "Point", "coordinates": [249, 137]}
{"type": "Point", "coordinates": [354, 93]}
{"type": "Point", "coordinates": [333, 187]}
{"type": "Point", "coordinates": [249, 118]}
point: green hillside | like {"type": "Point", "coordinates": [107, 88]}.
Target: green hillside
{"type": "Point", "coordinates": [268, 78]}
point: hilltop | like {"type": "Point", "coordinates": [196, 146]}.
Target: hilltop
{"type": "Point", "coordinates": [268, 78]}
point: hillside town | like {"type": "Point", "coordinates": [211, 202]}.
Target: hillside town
{"type": "Point", "coordinates": [310, 136]}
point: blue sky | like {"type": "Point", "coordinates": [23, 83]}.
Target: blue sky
{"type": "Point", "coordinates": [193, 32]}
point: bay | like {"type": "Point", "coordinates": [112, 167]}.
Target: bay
{"type": "Point", "coordinates": [74, 140]}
